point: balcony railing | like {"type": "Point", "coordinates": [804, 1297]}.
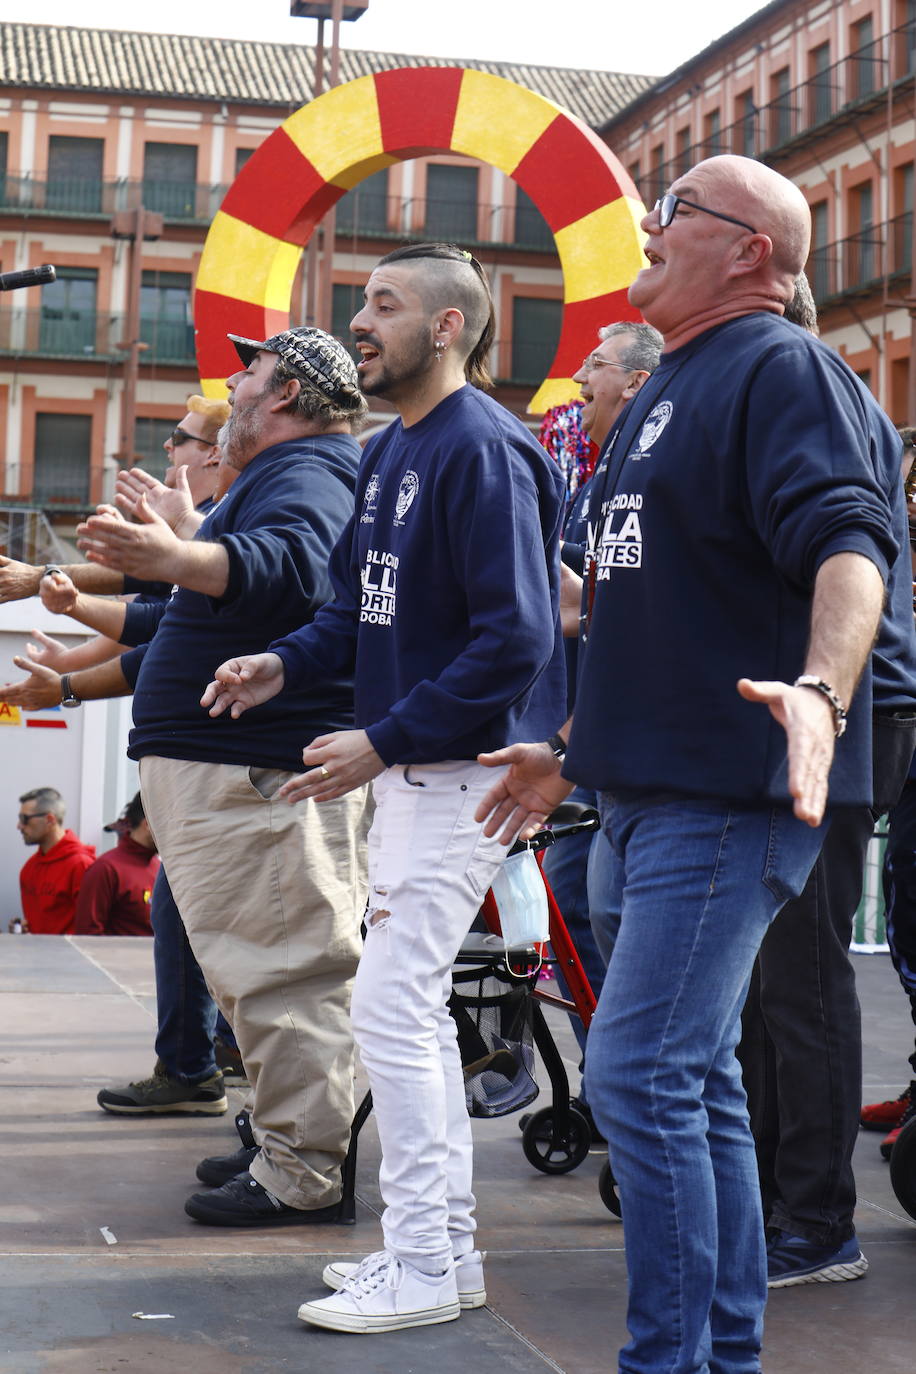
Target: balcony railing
{"type": "Point", "coordinates": [89, 334]}
{"type": "Point", "coordinates": [863, 260]}
{"type": "Point", "coordinates": [23, 194]}
{"type": "Point", "coordinates": [26, 535]}
{"type": "Point", "coordinates": [839, 90]}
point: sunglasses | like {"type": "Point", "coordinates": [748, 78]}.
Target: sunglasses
{"type": "Point", "coordinates": [181, 436]}
{"type": "Point", "coordinates": [36, 816]}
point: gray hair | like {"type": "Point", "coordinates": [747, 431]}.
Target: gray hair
{"type": "Point", "coordinates": [643, 354]}
{"type": "Point", "coordinates": [312, 404]}
{"type": "Point", "coordinates": [801, 309]}
{"type": "Point", "coordinates": [48, 801]}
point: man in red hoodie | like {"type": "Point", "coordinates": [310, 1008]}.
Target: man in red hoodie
{"type": "Point", "coordinates": [114, 898]}
{"type": "Point", "coordinates": [50, 880]}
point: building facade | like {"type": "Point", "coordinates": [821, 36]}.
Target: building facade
{"type": "Point", "coordinates": [95, 123]}
{"type": "Point", "coordinates": [823, 92]}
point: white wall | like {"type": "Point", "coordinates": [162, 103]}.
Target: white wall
{"type": "Point", "coordinates": [85, 760]}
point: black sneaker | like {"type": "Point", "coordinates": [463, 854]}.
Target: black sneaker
{"type": "Point", "coordinates": [243, 1202]}
{"type": "Point", "coordinates": [162, 1095]}
{"type": "Point", "coordinates": [218, 1169]}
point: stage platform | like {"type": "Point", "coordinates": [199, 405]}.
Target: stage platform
{"type": "Point", "coordinates": [93, 1228]}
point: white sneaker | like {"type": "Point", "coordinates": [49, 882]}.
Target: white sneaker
{"type": "Point", "coordinates": [468, 1277]}
{"type": "Point", "coordinates": [384, 1294]}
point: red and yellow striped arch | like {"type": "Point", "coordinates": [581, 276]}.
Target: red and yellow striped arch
{"type": "Point", "coordinates": [250, 257]}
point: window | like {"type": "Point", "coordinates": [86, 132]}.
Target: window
{"type": "Point", "coordinates": [658, 181]}
{"type": "Point", "coordinates": [62, 459]}
{"type": "Point", "coordinates": [345, 302]}
{"type": "Point", "coordinates": [68, 312]}
{"type": "Point", "coordinates": [821, 85]}
{"type": "Point", "coordinates": [862, 257]}
{"type": "Point", "coordinates": [364, 210]}
{"type": "Point", "coordinates": [241, 157]}
{"type": "Point", "coordinates": [747, 118]}
{"type": "Point", "coordinates": [531, 228]}
{"type": "Point", "coordinates": [684, 158]}
{"type": "Point", "coordinates": [780, 108]}
{"type": "Point", "coordinates": [149, 436]}
{"type": "Point", "coordinates": [820, 271]}
{"type": "Point", "coordinates": [170, 179]}
{"type": "Point", "coordinates": [712, 134]}
{"type": "Point", "coordinates": [4, 154]}
{"type": "Point", "coordinates": [451, 202]}
{"type": "Point", "coordinates": [904, 45]}
{"type": "Point", "coordinates": [75, 174]}
{"type": "Point", "coordinates": [165, 315]}
{"type": "Point", "coordinates": [535, 335]}
{"type": "Point", "coordinates": [902, 259]}
{"type": "Point", "coordinates": [864, 60]}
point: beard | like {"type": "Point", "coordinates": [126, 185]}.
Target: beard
{"type": "Point", "coordinates": [240, 437]}
{"type": "Point", "coordinates": [400, 367]}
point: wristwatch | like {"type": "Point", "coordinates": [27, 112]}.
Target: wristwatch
{"type": "Point", "coordinates": [51, 568]}
{"type": "Point", "coordinates": [557, 745]}
{"type": "Point", "coordinates": [68, 697]}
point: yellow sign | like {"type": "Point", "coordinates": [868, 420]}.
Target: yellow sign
{"type": "Point", "coordinates": [9, 715]}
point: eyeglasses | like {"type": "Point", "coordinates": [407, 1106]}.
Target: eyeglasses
{"type": "Point", "coordinates": [667, 209]}
{"type": "Point", "coordinates": [181, 436]}
{"type": "Point", "coordinates": [594, 360]}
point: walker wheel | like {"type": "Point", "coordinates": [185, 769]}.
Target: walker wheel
{"type": "Point", "coordinates": [607, 1188]}
{"type": "Point", "coordinates": [903, 1168]}
{"type": "Point", "coordinates": [552, 1150]}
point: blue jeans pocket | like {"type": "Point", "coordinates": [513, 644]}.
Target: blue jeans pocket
{"type": "Point", "coordinates": [792, 850]}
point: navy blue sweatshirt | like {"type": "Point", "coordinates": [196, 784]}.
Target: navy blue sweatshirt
{"type": "Point", "coordinates": [446, 588]}
{"type": "Point", "coordinates": [750, 457]}
{"type": "Point", "coordinates": [278, 523]}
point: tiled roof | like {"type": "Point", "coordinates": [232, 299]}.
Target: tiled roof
{"type": "Point", "coordinates": [173, 65]}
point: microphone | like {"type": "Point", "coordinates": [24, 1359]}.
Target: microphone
{"type": "Point", "coordinates": [32, 276]}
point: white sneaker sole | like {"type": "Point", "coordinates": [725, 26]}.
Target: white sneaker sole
{"type": "Point", "coordinates": [317, 1315]}
{"type": "Point", "coordinates": [332, 1277]}
{"type": "Point", "coordinates": [836, 1273]}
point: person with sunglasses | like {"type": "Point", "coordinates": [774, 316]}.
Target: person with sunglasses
{"type": "Point", "coordinates": [49, 881]}
{"type": "Point", "coordinates": [746, 536]}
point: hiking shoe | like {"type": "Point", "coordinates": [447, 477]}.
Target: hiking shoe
{"type": "Point", "coordinates": [887, 1144]}
{"type": "Point", "coordinates": [580, 1106]}
{"type": "Point", "coordinates": [793, 1260]}
{"type": "Point", "coordinates": [385, 1294]}
{"type": "Point", "coordinates": [162, 1095]}
{"type": "Point", "coordinates": [229, 1063]}
{"type": "Point", "coordinates": [218, 1169]}
{"type": "Point", "coordinates": [884, 1116]}
{"type": "Point", "coordinates": [242, 1201]}
{"type": "Point", "coordinates": [468, 1278]}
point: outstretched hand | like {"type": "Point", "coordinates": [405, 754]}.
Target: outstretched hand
{"type": "Point", "coordinates": [522, 799]}
{"type": "Point", "coordinates": [36, 692]}
{"type": "Point", "coordinates": [807, 719]}
{"type": "Point", "coordinates": [241, 683]}
{"type": "Point", "coordinates": [146, 551]}
{"type": "Point", "coordinates": [48, 652]}
{"type": "Point", "coordinates": [336, 764]}
{"type": "Point", "coordinates": [17, 580]}
{"type": "Point", "coordinates": [58, 593]}
{"type": "Point", "coordinates": [142, 496]}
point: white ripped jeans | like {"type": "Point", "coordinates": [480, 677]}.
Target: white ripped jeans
{"type": "Point", "coordinates": [429, 867]}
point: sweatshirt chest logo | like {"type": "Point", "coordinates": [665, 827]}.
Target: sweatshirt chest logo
{"type": "Point", "coordinates": [370, 500]}
{"type": "Point", "coordinates": [410, 485]}
{"type": "Point", "coordinates": [379, 579]}
{"type": "Point", "coordinates": [654, 426]}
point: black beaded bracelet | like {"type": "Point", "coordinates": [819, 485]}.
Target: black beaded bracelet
{"type": "Point", "coordinates": [819, 685]}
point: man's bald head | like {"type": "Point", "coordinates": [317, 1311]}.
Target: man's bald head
{"type": "Point", "coordinates": [767, 200]}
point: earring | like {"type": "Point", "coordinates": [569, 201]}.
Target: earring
{"type": "Point", "coordinates": [440, 349]}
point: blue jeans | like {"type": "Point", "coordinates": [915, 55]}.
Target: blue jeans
{"type": "Point", "coordinates": [701, 882]}
{"type": "Point", "coordinates": [186, 1011]}
{"type": "Point", "coordinates": [568, 866]}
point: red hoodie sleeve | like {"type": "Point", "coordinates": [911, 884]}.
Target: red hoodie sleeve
{"type": "Point", "coordinates": [97, 888]}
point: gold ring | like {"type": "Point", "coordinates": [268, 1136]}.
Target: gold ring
{"type": "Point", "coordinates": [324, 774]}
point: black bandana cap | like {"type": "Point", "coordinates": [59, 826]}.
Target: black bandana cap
{"type": "Point", "coordinates": [311, 355]}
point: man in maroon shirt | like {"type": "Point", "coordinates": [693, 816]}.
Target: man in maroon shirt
{"type": "Point", "coordinates": [115, 896]}
{"type": "Point", "coordinates": [50, 880]}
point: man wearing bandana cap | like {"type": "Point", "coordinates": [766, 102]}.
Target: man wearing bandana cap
{"type": "Point", "coordinates": [271, 894]}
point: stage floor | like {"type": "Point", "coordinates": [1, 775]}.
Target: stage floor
{"type": "Point", "coordinates": [78, 1015]}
